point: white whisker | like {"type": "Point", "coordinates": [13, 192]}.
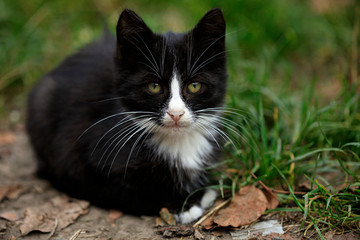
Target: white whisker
{"type": "Point", "coordinates": [203, 128]}
{"type": "Point", "coordinates": [140, 128]}
{"type": "Point", "coordinates": [226, 110]}
{"type": "Point", "coordinates": [198, 58]}
{"type": "Point", "coordinates": [118, 135]}
{"type": "Point", "coordinates": [152, 56]}
{"type": "Point", "coordinates": [145, 125]}
{"type": "Point", "coordinates": [208, 61]}
{"type": "Point", "coordinates": [109, 117]}
{"type": "Point", "coordinates": [163, 54]}
{"type": "Point", "coordinates": [109, 99]}
{"type": "Point", "coordinates": [123, 121]}
{"type": "Point", "coordinates": [154, 72]}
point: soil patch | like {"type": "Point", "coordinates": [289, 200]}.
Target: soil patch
{"type": "Point", "coordinates": [23, 194]}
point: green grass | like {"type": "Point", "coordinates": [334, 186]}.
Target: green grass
{"type": "Point", "coordinates": [293, 78]}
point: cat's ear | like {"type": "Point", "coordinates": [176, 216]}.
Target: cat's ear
{"type": "Point", "coordinates": [131, 29]}
{"type": "Point", "coordinates": [210, 30]}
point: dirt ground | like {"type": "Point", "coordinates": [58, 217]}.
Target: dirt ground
{"type": "Point", "coordinates": [30, 208]}
{"type": "Point", "coordinates": [17, 167]}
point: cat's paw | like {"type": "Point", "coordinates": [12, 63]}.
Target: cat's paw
{"type": "Point", "coordinates": [208, 198]}
{"type": "Point", "coordinates": [196, 211]}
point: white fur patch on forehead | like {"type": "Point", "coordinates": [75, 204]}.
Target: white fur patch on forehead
{"type": "Point", "coordinates": [176, 102]}
{"type": "Point", "coordinates": [176, 111]}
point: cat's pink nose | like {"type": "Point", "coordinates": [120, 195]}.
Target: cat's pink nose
{"type": "Point", "coordinates": [176, 115]}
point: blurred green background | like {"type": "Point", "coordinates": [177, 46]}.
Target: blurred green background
{"type": "Point", "coordinates": [282, 45]}
{"type": "Point", "coordinates": [293, 80]}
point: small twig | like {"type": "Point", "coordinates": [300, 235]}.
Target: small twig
{"type": "Point", "coordinates": [287, 192]}
{"type": "Point", "coordinates": [264, 186]}
{"type": "Point", "coordinates": [213, 210]}
{"type": "Point", "coordinates": [272, 191]}
{"type": "Point", "coordinates": [288, 227]}
{"type": "Point", "coordinates": [54, 229]}
{"type": "Point", "coordinates": [75, 235]}
{"type": "Point", "coordinates": [91, 235]}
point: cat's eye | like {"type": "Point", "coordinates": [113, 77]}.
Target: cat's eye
{"type": "Point", "coordinates": [154, 88]}
{"type": "Point", "coordinates": [194, 87]}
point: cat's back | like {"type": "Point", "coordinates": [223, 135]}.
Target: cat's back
{"type": "Point", "coordinates": [82, 78]}
{"type": "Point", "coordinates": [92, 64]}
{"type": "Point", "coordinates": [89, 69]}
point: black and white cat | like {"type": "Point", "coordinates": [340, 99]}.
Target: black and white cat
{"type": "Point", "coordinates": [133, 122]}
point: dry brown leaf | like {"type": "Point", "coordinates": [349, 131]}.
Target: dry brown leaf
{"type": "Point", "coordinates": [10, 191]}
{"type": "Point", "coordinates": [6, 138]}
{"type": "Point", "coordinates": [198, 235]}
{"type": "Point", "coordinates": [246, 207]}
{"type": "Point", "coordinates": [272, 199]}
{"type": "Point", "coordinates": [3, 191]}
{"type": "Point", "coordinates": [113, 215]}
{"type": "Point", "coordinates": [167, 216]}
{"type": "Point", "coordinates": [10, 215]}
{"type": "Point", "coordinates": [208, 222]}
{"type": "Point", "coordinates": [2, 226]}
{"type": "Point", "coordinates": [61, 210]}
{"type": "Point", "coordinates": [159, 222]}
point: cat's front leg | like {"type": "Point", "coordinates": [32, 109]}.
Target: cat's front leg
{"type": "Point", "coordinates": [198, 209]}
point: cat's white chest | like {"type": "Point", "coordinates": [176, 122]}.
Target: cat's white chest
{"type": "Point", "coordinates": [187, 150]}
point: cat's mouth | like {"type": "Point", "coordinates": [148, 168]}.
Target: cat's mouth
{"type": "Point", "coordinates": [176, 125]}
{"type": "Point", "coordinates": [174, 121]}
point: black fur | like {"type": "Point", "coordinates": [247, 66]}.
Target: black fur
{"type": "Point", "coordinates": [69, 113]}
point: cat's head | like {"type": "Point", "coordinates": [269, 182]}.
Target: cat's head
{"type": "Point", "coordinates": [175, 80]}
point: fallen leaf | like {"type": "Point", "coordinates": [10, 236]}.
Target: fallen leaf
{"type": "Point", "coordinates": [6, 138]}
{"type": "Point", "coordinates": [198, 235]}
{"type": "Point", "coordinates": [60, 212]}
{"type": "Point", "coordinates": [11, 191]}
{"type": "Point", "coordinates": [272, 199]}
{"type": "Point", "coordinates": [167, 216]}
{"type": "Point", "coordinates": [159, 222]}
{"type": "Point", "coordinates": [217, 234]}
{"type": "Point", "coordinates": [175, 231]}
{"type": "Point", "coordinates": [2, 226]}
{"type": "Point", "coordinates": [113, 215]}
{"type": "Point", "coordinates": [246, 207]}
{"type": "Point", "coordinates": [10, 215]}
{"type": "Point", "coordinates": [208, 222]}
